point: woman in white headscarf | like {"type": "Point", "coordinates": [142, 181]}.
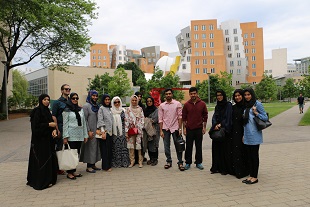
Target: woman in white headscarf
{"type": "Point", "coordinates": [120, 156]}
{"type": "Point", "coordinates": [134, 122]}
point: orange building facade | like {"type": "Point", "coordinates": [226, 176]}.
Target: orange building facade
{"type": "Point", "coordinates": [99, 56]}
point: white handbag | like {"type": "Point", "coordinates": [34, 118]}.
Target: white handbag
{"type": "Point", "coordinates": [68, 159]}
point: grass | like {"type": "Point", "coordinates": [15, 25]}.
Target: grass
{"type": "Point", "coordinates": [305, 120]}
{"type": "Point", "coordinates": [275, 108]}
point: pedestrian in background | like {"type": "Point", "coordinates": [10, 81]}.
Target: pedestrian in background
{"type": "Point", "coordinates": [301, 103]}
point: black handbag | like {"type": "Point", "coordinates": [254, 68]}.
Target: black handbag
{"type": "Point", "coordinates": [217, 135]}
{"type": "Point", "coordinates": [260, 124]}
{"type": "Point", "coordinates": [180, 144]}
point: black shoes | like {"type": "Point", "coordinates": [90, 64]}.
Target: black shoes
{"type": "Point", "coordinates": [246, 181]}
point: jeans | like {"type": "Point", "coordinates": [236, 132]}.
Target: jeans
{"type": "Point", "coordinates": [167, 137]}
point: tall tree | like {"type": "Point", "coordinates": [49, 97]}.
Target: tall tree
{"type": "Point", "coordinates": [289, 89]}
{"type": "Point", "coordinates": [55, 30]}
{"type": "Point", "coordinates": [266, 89]}
{"type": "Point", "coordinates": [225, 84]}
{"type": "Point", "coordinates": [100, 83]}
{"type": "Point", "coordinates": [120, 84]}
{"type": "Point", "coordinates": [20, 86]}
{"type": "Point", "coordinates": [136, 71]}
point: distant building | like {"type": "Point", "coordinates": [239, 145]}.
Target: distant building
{"type": "Point", "coordinates": [277, 65]}
{"type": "Point", "coordinates": [99, 56]}
{"type": "Point", "coordinates": [302, 65]}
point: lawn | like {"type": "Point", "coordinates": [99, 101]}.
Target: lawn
{"type": "Point", "coordinates": [276, 108]}
{"type": "Point", "coordinates": [305, 120]}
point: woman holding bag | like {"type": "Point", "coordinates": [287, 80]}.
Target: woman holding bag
{"type": "Point", "coordinates": [134, 123]}
{"type": "Point", "coordinates": [74, 128]}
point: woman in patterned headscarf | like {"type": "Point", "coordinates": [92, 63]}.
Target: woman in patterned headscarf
{"type": "Point", "coordinates": [134, 119]}
{"type": "Point", "coordinates": [90, 152]}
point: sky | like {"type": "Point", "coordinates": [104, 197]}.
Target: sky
{"type": "Point", "coordinates": [140, 23]}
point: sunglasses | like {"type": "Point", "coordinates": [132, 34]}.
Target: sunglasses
{"type": "Point", "coordinates": [67, 89]}
{"type": "Point", "coordinates": [116, 102]}
{"type": "Point", "coordinates": [77, 98]}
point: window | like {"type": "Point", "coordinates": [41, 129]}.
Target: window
{"type": "Point", "coordinates": [196, 45]}
{"type": "Point", "coordinates": [254, 83]}
{"type": "Point", "coordinates": [188, 58]}
{"type": "Point", "coordinates": [211, 53]}
{"type": "Point", "coordinates": [154, 60]}
{"type": "Point", "coordinates": [196, 53]}
{"type": "Point", "coordinates": [203, 36]}
{"type": "Point", "coordinates": [94, 51]}
{"type": "Point", "coordinates": [235, 39]}
{"type": "Point", "coordinates": [266, 71]}
{"type": "Point", "coordinates": [104, 63]}
{"type": "Point", "coordinates": [148, 54]}
{"type": "Point", "coordinates": [226, 32]}
{"type": "Point", "coordinates": [205, 70]}
{"type": "Point", "coordinates": [204, 53]}
{"type": "Point", "coordinates": [104, 57]}
{"type": "Point", "coordinates": [99, 51]}
{"type": "Point", "coordinates": [196, 36]}
{"type": "Point", "coordinates": [212, 70]}
{"type": "Point", "coordinates": [238, 71]}
{"type": "Point", "coordinates": [235, 31]}
{"type": "Point", "coordinates": [203, 27]}
{"type": "Point", "coordinates": [270, 71]}
{"type": "Point", "coordinates": [253, 42]}
{"type": "Point", "coordinates": [94, 57]}
{"type": "Point", "coordinates": [253, 73]}
{"type": "Point", "coordinates": [236, 47]}
{"type": "Point", "coordinates": [211, 27]}
{"type": "Point", "coordinates": [204, 61]}
{"type": "Point", "coordinates": [227, 39]}
{"type": "Point", "coordinates": [212, 61]}
{"type": "Point", "coordinates": [246, 51]}
{"type": "Point", "coordinates": [197, 62]}
{"type": "Point", "coordinates": [229, 55]}
{"type": "Point", "coordinates": [253, 65]}
{"type": "Point", "coordinates": [187, 35]}
{"type": "Point", "coordinates": [197, 70]}
{"type": "Point", "coordinates": [253, 58]}
{"type": "Point", "coordinates": [195, 27]}
{"type": "Point", "coordinates": [211, 44]}
{"type": "Point", "coordinates": [238, 54]}
{"type": "Point", "coordinates": [120, 52]}
{"type": "Point", "coordinates": [231, 63]}
{"type": "Point", "coordinates": [119, 58]}
{"type": "Point", "coordinates": [253, 50]}
{"type": "Point", "coordinates": [204, 45]}
{"type": "Point", "coordinates": [189, 51]}
{"type": "Point", "coordinates": [245, 35]}
{"type": "Point", "coordinates": [246, 43]}
{"type": "Point", "coordinates": [99, 57]}
{"type": "Point", "coordinates": [211, 35]}
{"type": "Point", "coordinates": [153, 54]}
{"type": "Point", "coordinates": [231, 71]}
{"type": "Point", "coordinates": [99, 64]}
{"type": "Point", "coordinates": [183, 66]}
{"type": "Point", "coordinates": [197, 81]}
{"type": "Point", "coordinates": [239, 62]}
{"type": "Point", "coordinates": [228, 47]}
{"type": "Point", "coordinates": [94, 64]}
{"type": "Point", "coordinates": [149, 60]}
{"type": "Point", "coordinates": [252, 35]}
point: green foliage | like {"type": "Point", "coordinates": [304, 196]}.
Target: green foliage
{"type": "Point", "coordinates": [304, 86]}
{"type": "Point", "coordinates": [289, 89]}
{"type": "Point", "coordinates": [100, 84]}
{"type": "Point", "coordinates": [120, 84]}
{"type": "Point", "coordinates": [266, 90]}
{"type": "Point", "coordinates": [276, 108]}
{"type": "Point", "coordinates": [20, 86]}
{"type": "Point", "coordinates": [225, 84]}
{"type": "Point", "coordinates": [305, 120]}
{"type": "Point", "coordinates": [244, 86]}
{"type": "Point", "coordinates": [137, 73]}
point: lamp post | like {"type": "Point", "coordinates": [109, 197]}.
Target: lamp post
{"type": "Point", "coordinates": [5, 90]}
{"type": "Point", "coordinates": [208, 88]}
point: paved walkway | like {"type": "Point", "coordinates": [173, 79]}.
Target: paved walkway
{"type": "Point", "coordinates": [283, 175]}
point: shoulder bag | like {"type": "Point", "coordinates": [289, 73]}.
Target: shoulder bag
{"type": "Point", "coordinates": [260, 124]}
{"type": "Point", "coordinates": [217, 135]}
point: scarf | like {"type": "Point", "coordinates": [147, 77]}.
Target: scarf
{"type": "Point", "coordinates": [136, 110]}
{"type": "Point", "coordinates": [102, 100]}
{"type": "Point", "coordinates": [220, 107]}
{"type": "Point", "coordinates": [240, 103]}
{"type": "Point", "coordinates": [248, 104]}
{"type": "Point", "coordinates": [117, 120]}
{"type": "Point", "coordinates": [94, 105]}
{"type": "Point", "coordinates": [74, 108]}
{"type": "Point", "coordinates": [149, 109]}
{"type": "Point", "coordinates": [44, 109]}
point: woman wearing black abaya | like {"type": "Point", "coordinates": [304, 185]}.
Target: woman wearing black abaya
{"type": "Point", "coordinates": [238, 148]}
{"type": "Point", "coordinates": [220, 150]}
{"type": "Point", "coordinates": [42, 165]}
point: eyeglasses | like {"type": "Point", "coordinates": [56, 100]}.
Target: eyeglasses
{"type": "Point", "coordinates": [67, 89]}
{"type": "Point", "coordinates": [116, 102]}
{"type": "Point", "coordinates": [77, 98]}
{"type": "Point", "coordinates": [219, 95]}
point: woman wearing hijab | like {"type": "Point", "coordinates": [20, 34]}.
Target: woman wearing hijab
{"type": "Point", "coordinates": [238, 148]}
{"type": "Point", "coordinates": [120, 156]}
{"type": "Point", "coordinates": [74, 128]}
{"type": "Point", "coordinates": [252, 136]}
{"type": "Point", "coordinates": [221, 119]}
{"type": "Point", "coordinates": [152, 142]}
{"type": "Point", "coordinates": [134, 118]}
{"type": "Point", "coordinates": [90, 151]}
{"type": "Point", "coordinates": [42, 165]}
{"type": "Point", "coordinates": [104, 124]}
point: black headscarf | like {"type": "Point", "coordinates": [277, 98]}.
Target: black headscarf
{"type": "Point", "coordinates": [240, 103]}
{"type": "Point", "coordinates": [248, 104]}
{"type": "Point", "coordinates": [102, 100]}
{"type": "Point", "coordinates": [220, 107]}
{"type": "Point", "coordinates": [44, 109]}
{"type": "Point", "coordinates": [140, 101]}
{"type": "Point", "coordinates": [149, 109]}
{"type": "Point", "coordinates": [74, 108]}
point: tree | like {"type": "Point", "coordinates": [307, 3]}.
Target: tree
{"type": "Point", "coordinates": [55, 30]}
{"type": "Point", "coordinates": [225, 84]}
{"type": "Point", "coordinates": [100, 83]}
{"type": "Point", "coordinates": [136, 71]}
{"type": "Point", "coordinates": [120, 84]}
{"type": "Point", "coordinates": [20, 86]}
{"type": "Point", "coordinates": [304, 86]}
{"type": "Point", "coordinates": [290, 89]}
{"type": "Point", "coordinates": [266, 89]}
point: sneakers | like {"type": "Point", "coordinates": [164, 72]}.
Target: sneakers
{"type": "Point", "coordinates": [200, 167]}
{"type": "Point", "coordinates": [187, 166]}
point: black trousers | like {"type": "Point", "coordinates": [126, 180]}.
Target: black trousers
{"type": "Point", "coordinates": [153, 155]}
{"type": "Point", "coordinates": [253, 159]}
{"type": "Point", "coordinates": [192, 136]}
{"type": "Point", "coordinates": [74, 145]}
{"type": "Point", "coordinates": [106, 152]}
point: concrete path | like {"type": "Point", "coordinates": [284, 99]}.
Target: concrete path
{"type": "Point", "coordinates": [283, 175]}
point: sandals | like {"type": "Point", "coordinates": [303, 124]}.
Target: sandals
{"type": "Point", "coordinates": [149, 162]}
{"type": "Point", "coordinates": [89, 170]}
{"type": "Point", "coordinates": [96, 168]}
{"type": "Point", "coordinates": [155, 162]}
{"type": "Point", "coordinates": [181, 168]}
{"type": "Point", "coordinates": [168, 165]}
{"type": "Point", "coordinates": [77, 175]}
{"type": "Point", "coordinates": [71, 178]}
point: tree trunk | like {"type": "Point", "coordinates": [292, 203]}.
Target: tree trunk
{"type": "Point", "coordinates": [3, 94]}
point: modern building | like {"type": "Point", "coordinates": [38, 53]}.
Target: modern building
{"type": "Point", "coordinates": [234, 47]}
{"type": "Point", "coordinates": [302, 65]}
{"type": "Point", "coordinates": [79, 77]}
{"type": "Point", "coordinates": [277, 65]}
{"type": "Point", "coordinates": [99, 56]}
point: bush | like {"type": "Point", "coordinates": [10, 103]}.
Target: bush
{"type": "Point", "coordinates": [2, 116]}
{"type": "Point", "coordinates": [28, 111]}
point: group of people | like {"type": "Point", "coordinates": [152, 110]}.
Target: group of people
{"type": "Point", "coordinates": [120, 137]}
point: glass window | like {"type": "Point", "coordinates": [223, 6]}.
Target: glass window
{"type": "Point", "coordinates": [227, 39]}
{"type": "Point", "coordinates": [211, 35]}
{"type": "Point", "coordinates": [99, 57]}
{"type": "Point", "coordinates": [253, 58]}
{"type": "Point", "coordinates": [204, 53]}
{"type": "Point", "coordinates": [212, 70]}
{"type": "Point", "coordinates": [203, 27]}
{"type": "Point", "coordinates": [252, 35]}
{"type": "Point", "coordinates": [228, 47]}
{"type": "Point", "coordinates": [235, 39]}
{"type": "Point", "coordinates": [197, 70]}
{"type": "Point", "coordinates": [196, 36]}
{"type": "Point", "coordinates": [238, 54]}
{"type": "Point", "coordinates": [94, 51]}
{"type": "Point", "coordinates": [211, 53]}
{"type": "Point", "coordinates": [205, 70]}
{"type": "Point", "coordinates": [189, 51]}
{"type": "Point", "coordinates": [253, 73]}
{"type": "Point", "coordinates": [211, 44]}
{"type": "Point", "coordinates": [238, 71]}
{"type": "Point", "coordinates": [253, 50]}
{"type": "Point", "coordinates": [229, 55]}
{"type": "Point", "coordinates": [231, 71]}
{"type": "Point", "coordinates": [104, 57]}
{"type": "Point", "coordinates": [239, 62]}
{"type": "Point", "coordinates": [196, 53]}
{"type": "Point", "coordinates": [212, 61]}
{"type": "Point", "coordinates": [253, 42]}
{"type": "Point", "coordinates": [253, 65]}
{"type": "Point", "coordinates": [204, 61]}
{"type": "Point", "coordinates": [197, 62]}
{"type": "Point", "coordinates": [245, 35]}
{"type": "Point", "coordinates": [235, 31]}
{"type": "Point", "coordinates": [211, 26]}
{"type": "Point", "coordinates": [188, 58]}
{"type": "Point", "coordinates": [196, 45]}
{"type": "Point", "coordinates": [204, 45]}
{"type": "Point", "coordinates": [183, 66]}
{"type": "Point", "coordinates": [236, 47]}
{"type": "Point", "coordinates": [231, 63]}
{"type": "Point", "coordinates": [226, 32]}
{"type": "Point", "coordinates": [203, 36]}
{"type": "Point", "coordinates": [195, 27]}
{"type": "Point", "coordinates": [197, 81]}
